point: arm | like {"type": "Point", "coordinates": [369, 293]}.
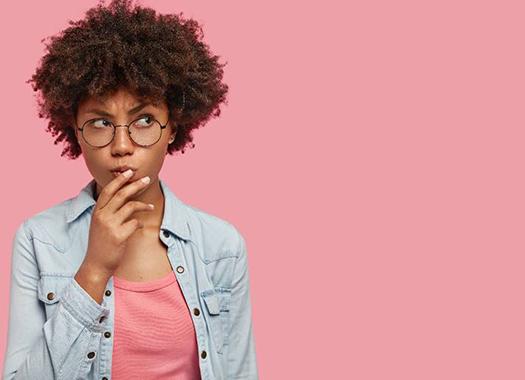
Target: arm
{"type": "Point", "coordinates": [57, 348]}
{"type": "Point", "coordinates": [241, 362]}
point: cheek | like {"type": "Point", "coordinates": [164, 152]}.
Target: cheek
{"type": "Point", "coordinates": [95, 162]}
{"type": "Point", "coordinates": [156, 159]}
{"type": "Point", "coordinates": [92, 164]}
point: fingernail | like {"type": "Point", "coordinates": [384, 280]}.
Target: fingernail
{"type": "Point", "coordinates": [127, 173]}
{"type": "Point", "coordinates": [145, 179]}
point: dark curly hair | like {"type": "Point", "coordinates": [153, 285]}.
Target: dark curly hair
{"type": "Point", "coordinates": [157, 57]}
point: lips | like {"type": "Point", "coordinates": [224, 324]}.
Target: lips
{"type": "Point", "coordinates": [120, 169]}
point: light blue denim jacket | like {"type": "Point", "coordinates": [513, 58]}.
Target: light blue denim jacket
{"type": "Point", "coordinates": [58, 331]}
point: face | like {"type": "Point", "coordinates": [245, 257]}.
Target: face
{"type": "Point", "coordinates": [122, 150]}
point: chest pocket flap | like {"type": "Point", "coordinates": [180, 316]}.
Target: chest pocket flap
{"type": "Point", "coordinates": [212, 303]}
{"type": "Point", "coordinates": [51, 287]}
{"type": "Point", "coordinates": [217, 314]}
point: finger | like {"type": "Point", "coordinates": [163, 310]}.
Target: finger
{"type": "Point", "coordinates": [121, 196]}
{"type": "Point", "coordinates": [130, 208]}
{"type": "Point", "coordinates": [112, 187]}
{"type": "Point", "coordinates": [131, 226]}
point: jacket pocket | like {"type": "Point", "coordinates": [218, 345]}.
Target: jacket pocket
{"type": "Point", "coordinates": [50, 290]}
{"type": "Point", "coordinates": [217, 315]}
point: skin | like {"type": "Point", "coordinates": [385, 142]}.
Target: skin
{"type": "Point", "coordinates": [123, 151]}
{"type": "Point", "coordinates": [143, 255]}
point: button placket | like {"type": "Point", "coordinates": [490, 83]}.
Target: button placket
{"type": "Point", "coordinates": [105, 331]}
{"type": "Point", "coordinates": [183, 282]}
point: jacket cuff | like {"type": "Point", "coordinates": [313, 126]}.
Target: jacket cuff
{"type": "Point", "coordinates": [84, 308]}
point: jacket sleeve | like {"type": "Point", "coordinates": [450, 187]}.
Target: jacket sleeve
{"type": "Point", "coordinates": [241, 362]}
{"type": "Point", "coordinates": [61, 347]}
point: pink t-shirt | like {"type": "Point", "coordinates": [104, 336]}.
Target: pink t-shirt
{"type": "Point", "coordinates": [154, 336]}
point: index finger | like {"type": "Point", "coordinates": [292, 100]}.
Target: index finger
{"type": "Point", "coordinates": [112, 187]}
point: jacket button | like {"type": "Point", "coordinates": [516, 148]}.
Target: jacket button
{"type": "Point", "coordinates": [50, 296]}
{"type": "Point", "coordinates": [196, 311]}
{"type": "Point", "coordinates": [180, 269]}
{"type": "Point", "coordinates": [108, 293]}
{"type": "Point", "coordinates": [204, 354]}
{"type": "Point", "coordinates": [107, 334]}
{"type": "Point", "coordinates": [101, 319]}
{"type": "Point", "coordinates": [104, 378]}
{"type": "Point", "coordinates": [91, 355]}
{"type": "Point", "coordinates": [166, 233]}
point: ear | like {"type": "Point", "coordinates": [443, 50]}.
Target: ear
{"type": "Point", "coordinates": [173, 133]}
{"type": "Point", "coordinates": [74, 126]}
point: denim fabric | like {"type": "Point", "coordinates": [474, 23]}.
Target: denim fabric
{"type": "Point", "coordinates": [57, 330]}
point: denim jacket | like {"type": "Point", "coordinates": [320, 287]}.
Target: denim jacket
{"type": "Point", "coordinates": [58, 331]}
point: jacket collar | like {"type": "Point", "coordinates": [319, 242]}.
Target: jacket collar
{"type": "Point", "coordinates": [173, 220]}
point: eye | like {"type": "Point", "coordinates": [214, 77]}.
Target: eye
{"type": "Point", "coordinates": [99, 123]}
{"type": "Point", "coordinates": [144, 121]}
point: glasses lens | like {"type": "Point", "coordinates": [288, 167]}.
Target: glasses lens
{"type": "Point", "coordinates": [144, 131]}
{"type": "Point", "coordinates": [98, 132]}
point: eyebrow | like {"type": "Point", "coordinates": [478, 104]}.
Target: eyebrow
{"type": "Point", "coordinates": [107, 114]}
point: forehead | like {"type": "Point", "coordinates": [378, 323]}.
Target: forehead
{"type": "Point", "coordinates": [122, 97]}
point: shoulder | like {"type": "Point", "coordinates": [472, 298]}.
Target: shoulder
{"type": "Point", "coordinates": [218, 237]}
{"type": "Point", "coordinates": [48, 226]}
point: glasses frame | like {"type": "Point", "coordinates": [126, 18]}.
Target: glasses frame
{"type": "Point", "coordinates": [122, 125]}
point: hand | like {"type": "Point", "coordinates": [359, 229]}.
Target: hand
{"type": "Point", "coordinates": [109, 229]}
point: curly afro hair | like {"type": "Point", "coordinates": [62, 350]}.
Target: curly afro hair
{"type": "Point", "coordinates": [158, 57]}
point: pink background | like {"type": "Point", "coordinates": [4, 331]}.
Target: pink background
{"type": "Point", "coordinates": [372, 155]}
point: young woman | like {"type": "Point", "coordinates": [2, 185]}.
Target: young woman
{"type": "Point", "coordinates": [125, 281]}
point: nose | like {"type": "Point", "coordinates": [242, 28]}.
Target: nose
{"type": "Point", "coordinates": [122, 143]}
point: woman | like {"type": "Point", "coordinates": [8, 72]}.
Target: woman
{"type": "Point", "coordinates": [125, 281]}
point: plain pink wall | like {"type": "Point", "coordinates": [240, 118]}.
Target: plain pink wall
{"type": "Point", "coordinates": [371, 153]}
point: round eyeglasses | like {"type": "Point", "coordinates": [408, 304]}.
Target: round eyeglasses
{"type": "Point", "coordinates": [144, 131]}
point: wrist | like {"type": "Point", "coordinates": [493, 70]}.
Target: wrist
{"type": "Point", "coordinates": [93, 273]}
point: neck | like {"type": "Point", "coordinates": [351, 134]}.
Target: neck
{"type": "Point", "coordinates": [152, 194]}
